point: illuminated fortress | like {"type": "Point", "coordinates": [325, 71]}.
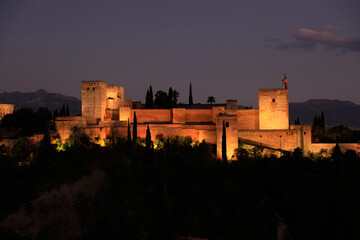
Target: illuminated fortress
{"type": "Point", "coordinates": [105, 113]}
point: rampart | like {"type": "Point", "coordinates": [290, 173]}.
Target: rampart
{"type": "Point", "coordinates": [6, 109]}
{"type": "Point", "coordinates": [105, 113]}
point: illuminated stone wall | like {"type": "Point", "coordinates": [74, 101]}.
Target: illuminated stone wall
{"type": "Point", "coordinates": [6, 109]}
{"type": "Point", "coordinates": [178, 115]}
{"type": "Point", "coordinates": [114, 96]}
{"type": "Point", "coordinates": [198, 115]}
{"type": "Point", "coordinates": [273, 109]}
{"type": "Point", "coordinates": [65, 125]}
{"type": "Point", "coordinates": [277, 139]}
{"type": "Point", "coordinates": [248, 118]}
{"type": "Point", "coordinates": [93, 100]}
{"type": "Point", "coordinates": [151, 115]}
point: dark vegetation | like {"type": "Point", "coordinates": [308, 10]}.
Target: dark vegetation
{"type": "Point", "coordinates": [337, 134]}
{"type": "Point", "coordinates": [26, 122]}
{"type": "Point", "coordinates": [162, 99]}
{"type": "Point", "coordinates": [181, 189]}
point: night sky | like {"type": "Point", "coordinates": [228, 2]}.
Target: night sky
{"type": "Point", "coordinates": [227, 49]}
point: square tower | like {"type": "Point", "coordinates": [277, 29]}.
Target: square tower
{"type": "Point", "coordinates": [273, 109]}
{"type": "Point", "coordinates": [93, 100]}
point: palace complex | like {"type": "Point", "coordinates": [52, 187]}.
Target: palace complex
{"type": "Point", "coordinates": [105, 113]}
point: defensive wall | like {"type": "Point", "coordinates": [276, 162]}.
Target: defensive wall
{"type": "Point", "coordinates": [106, 112]}
{"type": "Point", "coordinates": [6, 109]}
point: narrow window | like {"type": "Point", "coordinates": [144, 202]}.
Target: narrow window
{"type": "Point", "coordinates": [273, 100]}
{"type": "Point", "coordinates": [88, 89]}
{"type": "Point", "coordinates": [227, 124]}
{"type": "Point", "coordinates": [93, 88]}
{"type": "Point", "coordinates": [304, 133]}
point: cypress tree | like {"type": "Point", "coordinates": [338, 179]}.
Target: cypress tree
{"type": "Point", "coordinates": [147, 99]}
{"type": "Point", "coordinates": [190, 96]}
{"type": "Point", "coordinates": [148, 138]}
{"type": "Point", "coordinates": [223, 144]}
{"type": "Point", "coordinates": [67, 110]}
{"type": "Point", "coordinates": [151, 97]}
{"type": "Point", "coordinates": [135, 128]}
{"type": "Point", "coordinates": [62, 113]}
{"type": "Point", "coordinates": [129, 133]}
{"type": "Point", "coordinates": [322, 121]}
{"type": "Point", "coordinates": [170, 97]}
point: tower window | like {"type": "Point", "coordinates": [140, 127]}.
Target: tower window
{"type": "Point", "coordinates": [93, 88]}
{"type": "Point", "coordinates": [304, 133]}
{"type": "Point", "coordinates": [273, 100]}
{"type": "Point", "coordinates": [227, 124]}
{"type": "Point", "coordinates": [88, 89]}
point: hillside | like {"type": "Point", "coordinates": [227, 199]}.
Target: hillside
{"type": "Point", "coordinates": [336, 112]}
{"type": "Point", "coordinates": [41, 98]}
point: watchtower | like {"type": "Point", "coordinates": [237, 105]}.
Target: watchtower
{"type": "Point", "coordinates": [273, 109]}
{"type": "Point", "coordinates": [93, 100]}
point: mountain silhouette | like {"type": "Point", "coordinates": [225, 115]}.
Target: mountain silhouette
{"type": "Point", "coordinates": [336, 112]}
{"type": "Point", "coordinates": [41, 98]}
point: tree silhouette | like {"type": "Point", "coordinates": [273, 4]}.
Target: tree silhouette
{"type": "Point", "coordinates": [129, 133]}
{"type": "Point", "coordinates": [175, 97]}
{"type": "Point", "coordinates": [161, 99]}
{"type": "Point", "coordinates": [67, 113]}
{"type": "Point", "coordinates": [148, 138]}
{"type": "Point", "coordinates": [190, 96]}
{"type": "Point", "coordinates": [170, 98]}
{"type": "Point", "coordinates": [223, 143]}
{"type": "Point", "coordinates": [135, 128]}
{"type": "Point", "coordinates": [211, 100]}
{"type": "Point", "coordinates": [149, 100]}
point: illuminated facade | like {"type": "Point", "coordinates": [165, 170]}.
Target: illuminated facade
{"type": "Point", "coordinates": [6, 109]}
{"type": "Point", "coordinates": [105, 113]}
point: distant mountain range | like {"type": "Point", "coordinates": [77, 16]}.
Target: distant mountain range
{"type": "Point", "coordinates": [41, 98]}
{"type": "Point", "coordinates": [336, 112]}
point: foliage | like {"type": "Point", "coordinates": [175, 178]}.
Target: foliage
{"type": "Point", "coordinates": [211, 100]}
{"type": "Point", "coordinates": [339, 134]}
{"type": "Point", "coordinates": [28, 121]}
{"type": "Point", "coordinates": [318, 128]}
{"type": "Point", "coordinates": [161, 99]}
{"type": "Point", "coordinates": [184, 191]}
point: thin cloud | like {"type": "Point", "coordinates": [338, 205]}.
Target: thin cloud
{"type": "Point", "coordinates": [308, 40]}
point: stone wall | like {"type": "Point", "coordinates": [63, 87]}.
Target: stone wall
{"type": "Point", "coordinates": [6, 109]}
{"type": "Point", "coordinates": [151, 115]}
{"type": "Point", "coordinates": [248, 118]}
{"type": "Point", "coordinates": [273, 109]}
{"type": "Point", "coordinates": [278, 139]}
{"type": "Point", "coordinates": [65, 125]}
{"type": "Point", "coordinates": [198, 115]}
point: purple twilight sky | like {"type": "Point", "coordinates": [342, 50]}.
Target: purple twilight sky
{"type": "Point", "coordinates": [227, 49]}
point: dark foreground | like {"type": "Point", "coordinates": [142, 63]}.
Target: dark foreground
{"type": "Point", "coordinates": [181, 191]}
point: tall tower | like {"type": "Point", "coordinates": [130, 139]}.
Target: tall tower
{"type": "Point", "coordinates": [93, 100]}
{"type": "Point", "coordinates": [273, 109]}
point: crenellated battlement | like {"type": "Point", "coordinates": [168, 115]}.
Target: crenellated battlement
{"type": "Point", "coordinates": [92, 82]}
